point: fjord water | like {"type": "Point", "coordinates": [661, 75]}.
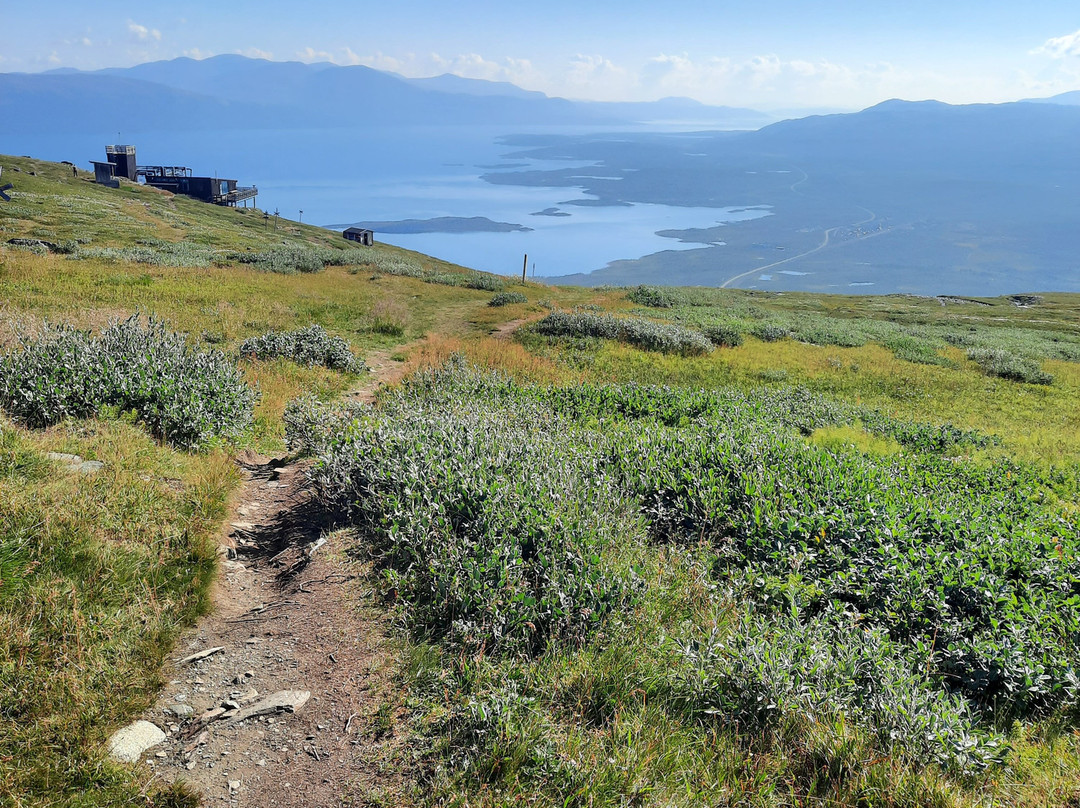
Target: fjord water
{"type": "Point", "coordinates": [338, 176]}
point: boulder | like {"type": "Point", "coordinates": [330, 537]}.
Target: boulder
{"type": "Point", "coordinates": [128, 744]}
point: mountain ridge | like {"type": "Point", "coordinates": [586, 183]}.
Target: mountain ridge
{"type": "Point", "coordinates": [290, 94]}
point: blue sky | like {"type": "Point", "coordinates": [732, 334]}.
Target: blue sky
{"type": "Point", "coordinates": [774, 54]}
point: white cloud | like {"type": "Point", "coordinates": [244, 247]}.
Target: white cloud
{"type": "Point", "coordinates": [311, 55]}
{"type": "Point", "coordinates": [412, 65]}
{"type": "Point", "coordinates": [142, 33]}
{"type": "Point", "coordinates": [1059, 47]}
{"type": "Point", "coordinates": [476, 66]}
{"type": "Point", "coordinates": [196, 53]}
{"type": "Point", "coordinates": [767, 79]}
{"type": "Point", "coordinates": [349, 58]}
{"type": "Point", "coordinates": [590, 76]}
{"type": "Point", "coordinates": [256, 53]}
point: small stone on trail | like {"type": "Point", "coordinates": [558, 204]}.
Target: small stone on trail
{"type": "Point", "coordinates": [210, 715]}
{"type": "Point", "coordinates": [201, 655]}
{"type": "Point", "coordinates": [127, 744]}
{"type": "Point", "coordinates": [190, 765]}
{"type": "Point", "coordinates": [234, 785]}
{"type": "Point", "coordinates": [204, 736]}
{"type": "Point", "coordinates": [180, 710]}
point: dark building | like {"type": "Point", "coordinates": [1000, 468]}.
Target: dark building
{"type": "Point", "coordinates": [359, 235]}
{"type": "Point", "coordinates": [176, 179]}
{"type": "Point", "coordinates": [103, 174]}
{"type": "Point", "coordinates": [123, 157]}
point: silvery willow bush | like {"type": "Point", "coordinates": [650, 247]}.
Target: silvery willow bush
{"type": "Point", "coordinates": [1009, 365]}
{"type": "Point", "coordinates": [305, 346]}
{"type": "Point", "coordinates": [184, 396]}
{"type": "Point", "coordinates": [507, 298]}
{"type": "Point", "coordinates": [927, 601]}
{"type": "Point", "coordinates": [635, 331]}
{"type": "Point", "coordinates": [488, 528]}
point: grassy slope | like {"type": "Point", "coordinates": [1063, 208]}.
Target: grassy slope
{"type": "Point", "coordinates": [73, 665]}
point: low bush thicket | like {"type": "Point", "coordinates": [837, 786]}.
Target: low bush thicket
{"type": "Point", "coordinates": [489, 530]}
{"type": "Point", "coordinates": [156, 253]}
{"type": "Point", "coordinates": [634, 331]}
{"type": "Point", "coordinates": [305, 346]}
{"type": "Point", "coordinates": [1008, 365]}
{"type": "Point", "coordinates": [507, 298]}
{"type": "Point", "coordinates": [656, 297]}
{"type": "Point", "coordinates": [289, 260]}
{"type": "Point", "coordinates": [770, 332]}
{"type": "Point", "coordinates": [723, 335]}
{"type": "Point", "coordinates": [394, 265]}
{"type": "Point", "coordinates": [926, 601]}
{"type": "Point", "coordinates": [184, 396]}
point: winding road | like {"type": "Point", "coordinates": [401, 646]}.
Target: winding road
{"type": "Point", "coordinates": [821, 246]}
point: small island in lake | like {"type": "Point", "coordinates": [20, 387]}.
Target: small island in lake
{"type": "Point", "coordinates": [440, 224]}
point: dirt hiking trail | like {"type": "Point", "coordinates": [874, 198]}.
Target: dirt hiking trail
{"type": "Point", "coordinates": [289, 640]}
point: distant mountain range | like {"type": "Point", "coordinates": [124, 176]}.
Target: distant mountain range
{"type": "Point", "coordinates": [1070, 99]}
{"type": "Point", "coordinates": [241, 93]}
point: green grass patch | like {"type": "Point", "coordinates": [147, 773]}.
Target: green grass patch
{"type": "Point", "coordinates": [97, 575]}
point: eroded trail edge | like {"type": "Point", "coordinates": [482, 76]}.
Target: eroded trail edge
{"type": "Point", "coordinates": [288, 696]}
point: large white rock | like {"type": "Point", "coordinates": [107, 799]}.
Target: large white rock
{"type": "Point", "coordinates": [128, 744]}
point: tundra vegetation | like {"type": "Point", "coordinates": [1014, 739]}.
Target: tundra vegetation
{"type": "Point", "coordinates": [664, 547]}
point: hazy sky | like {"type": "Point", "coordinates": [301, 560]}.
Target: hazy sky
{"type": "Point", "coordinates": [767, 54]}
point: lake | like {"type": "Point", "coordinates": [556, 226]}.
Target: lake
{"type": "Point", "coordinates": [336, 176]}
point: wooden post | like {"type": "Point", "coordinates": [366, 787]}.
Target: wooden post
{"type": "Point", "coordinates": [524, 267]}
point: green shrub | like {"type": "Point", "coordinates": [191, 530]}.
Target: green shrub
{"type": "Point", "coordinates": [822, 331]}
{"type": "Point", "coordinates": [507, 298]}
{"type": "Point", "coordinates": [634, 331]}
{"type": "Point", "coordinates": [924, 601]}
{"type": "Point", "coordinates": [305, 346]}
{"type": "Point", "coordinates": [486, 530]}
{"type": "Point", "coordinates": [723, 335]}
{"type": "Point", "coordinates": [1008, 365]}
{"type": "Point", "coordinates": [284, 260]}
{"type": "Point", "coordinates": [656, 297]}
{"type": "Point", "coordinates": [156, 253]}
{"type": "Point", "coordinates": [185, 397]}
{"type": "Point", "coordinates": [771, 333]}
{"type": "Point", "coordinates": [915, 349]}
{"type": "Point", "coordinates": [392, 265]}
{"type": "Point", "coordinates": [770, 671]}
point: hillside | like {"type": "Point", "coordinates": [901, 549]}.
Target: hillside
{"type": "Point", "coordinates": [594, 547]}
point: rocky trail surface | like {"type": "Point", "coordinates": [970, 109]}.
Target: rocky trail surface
{"type": "Point", "coordinates": [284, 694]}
